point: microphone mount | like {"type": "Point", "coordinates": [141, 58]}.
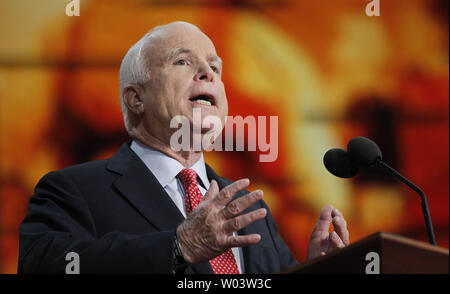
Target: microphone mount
{"type": "Point", "coordinates": [425, 209]}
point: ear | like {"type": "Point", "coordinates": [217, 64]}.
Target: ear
{"type": "Point", "coordinates": [132, 98]}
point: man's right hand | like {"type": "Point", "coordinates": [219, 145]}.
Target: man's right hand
{"type": "Point", "coordinates": [208, 230]}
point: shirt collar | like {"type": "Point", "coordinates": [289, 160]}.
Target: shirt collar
{"type": "Point", "coordinates": [164, 167]}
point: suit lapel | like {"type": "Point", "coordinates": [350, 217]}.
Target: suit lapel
{"type": "Point", "coordinates": [143, 191]}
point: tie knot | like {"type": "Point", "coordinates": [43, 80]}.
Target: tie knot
{"type": "Point", "coordinates": [188, 177]}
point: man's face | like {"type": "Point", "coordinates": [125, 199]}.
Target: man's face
{"type": "Point", "coordinates": [185, 73]}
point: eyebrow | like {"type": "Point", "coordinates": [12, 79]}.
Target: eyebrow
{"type": "Point", "coordinates": [180, 51]}
{"type": "Point", "coordinates": [177, 52]}
{"type": "Point", "coordinates": [216, 58]}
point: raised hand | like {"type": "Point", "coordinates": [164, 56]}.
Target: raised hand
{"type": "Point", "coordinates": [321, 241]}
{"type": "Point", "coordinates": [208, 231]}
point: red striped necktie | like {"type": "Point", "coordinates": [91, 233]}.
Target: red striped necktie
{"type": "Point", "coordinates": [224, 263]}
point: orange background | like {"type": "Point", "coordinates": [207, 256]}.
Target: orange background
{"type": "Point", "coordinates": [326, 69]}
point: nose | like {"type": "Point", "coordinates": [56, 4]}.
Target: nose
{"type": "Point", "coordinates": [205, 74]}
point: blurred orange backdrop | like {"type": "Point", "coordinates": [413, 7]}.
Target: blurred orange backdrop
{"type": "Point", "coordinates": [325, 68]}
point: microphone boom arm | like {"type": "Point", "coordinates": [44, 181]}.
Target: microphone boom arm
{"type": "Point", "coordinates": [425, 209]}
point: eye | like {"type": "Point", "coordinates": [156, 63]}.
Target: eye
{"type": "Point", "coordinates": [214, 68]}
{"type": "Point", "coordinates": [181, 62]}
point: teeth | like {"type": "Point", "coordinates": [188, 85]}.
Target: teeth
{"type": "Point", "coordinates": [204, 102]}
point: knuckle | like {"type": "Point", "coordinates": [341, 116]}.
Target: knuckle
{"type": "Point", "coordinates": [233, 208]}
{"type": "Point", "coordinates": [224, 195]}
{"type": "Point", "coordinates": [236, 223]}
{"type": "Point", "coordinates": [227, 193]}
{"type": "Point", "coordinates": [233, 240]}
{"type": "Point", "coordinates": [254, 197]}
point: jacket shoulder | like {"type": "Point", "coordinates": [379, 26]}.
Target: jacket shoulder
{"type": "Point", "coordinates": [86, 167]}
{"type": "Point", "coordinates": [88, 172]}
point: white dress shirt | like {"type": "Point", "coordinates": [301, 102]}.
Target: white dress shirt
{"type": "Point", "coordinates": [165, 169]}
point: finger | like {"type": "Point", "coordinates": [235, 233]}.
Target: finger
{"type": "Point", "coordinates": [239, 205]}
{"type": "Point", "coordinates": [212, 191]}
{"type": "Point", "coordinates": [336, 241]}
{"type": "Point", "coordinates": [340, 227]}
{"type": "Point", "coordinates": [229, 191]}
{"type": "Point", "coordinates": [336, 212]}
{"type": "Point", "coordinates": [241, 241]}
{"type": "Point", "coordinates": [240, 222]}
{"type": "Point", "coordinates": [324, 221]}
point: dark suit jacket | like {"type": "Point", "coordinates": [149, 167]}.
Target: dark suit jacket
{"type": "Point", "coordinates": [119, 219]}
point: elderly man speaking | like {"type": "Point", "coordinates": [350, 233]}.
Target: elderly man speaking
{"type": "Point", "coordinates": [149, 208]}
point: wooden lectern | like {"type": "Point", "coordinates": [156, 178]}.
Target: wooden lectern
{"type": "Point", "coordinates": [397, 255]}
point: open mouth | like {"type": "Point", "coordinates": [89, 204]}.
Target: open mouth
{"type": "Point", "coordinates": [203, 99]}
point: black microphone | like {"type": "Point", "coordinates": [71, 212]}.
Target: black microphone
{"type": "Point", "coordinates": [338, 162]}
{"type": "Point", "coordinates": [363, 154]}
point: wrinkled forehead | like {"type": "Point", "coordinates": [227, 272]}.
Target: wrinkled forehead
{"type": "Point", "coordinates": [166, 41]}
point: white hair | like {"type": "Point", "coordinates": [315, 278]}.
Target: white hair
{"type": "Point", "coordinates": [133, 69]}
